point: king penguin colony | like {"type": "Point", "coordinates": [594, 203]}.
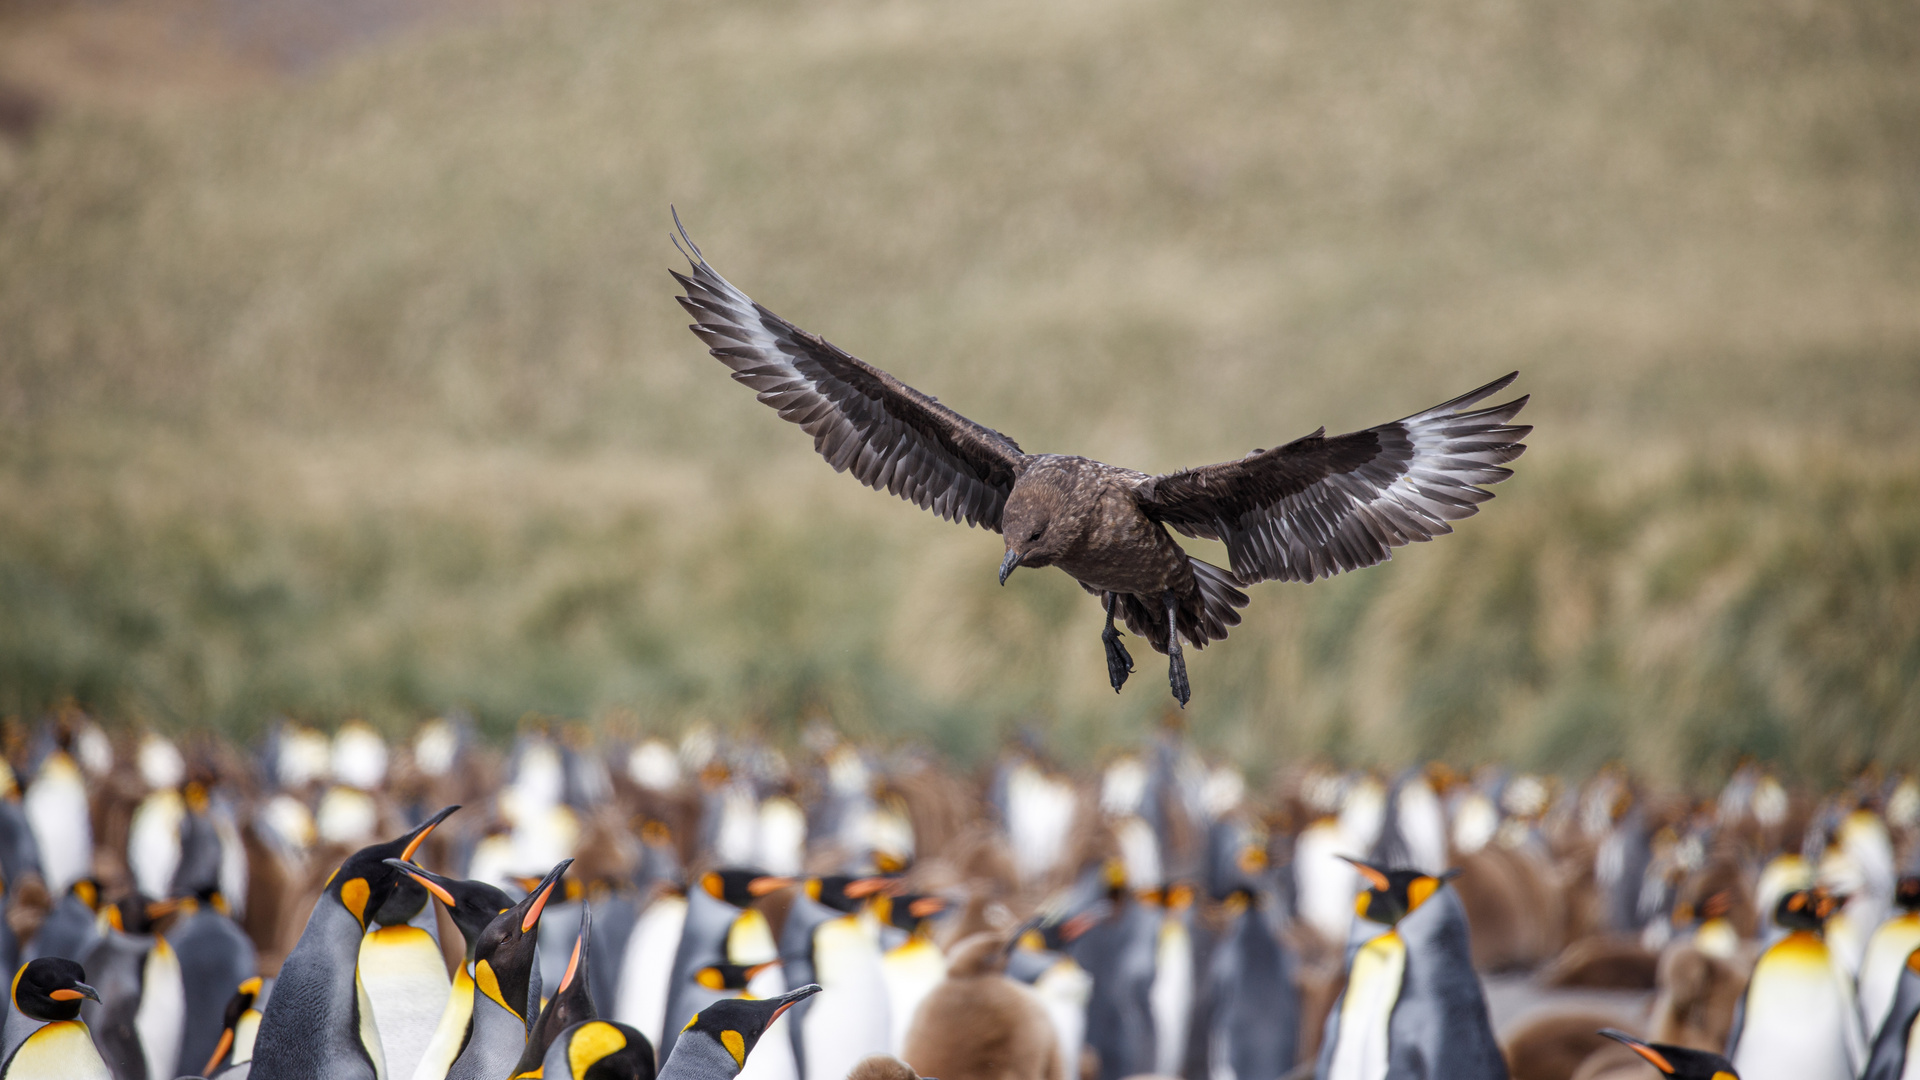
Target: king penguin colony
{"type": "Point", "coordinates": [721, 909]}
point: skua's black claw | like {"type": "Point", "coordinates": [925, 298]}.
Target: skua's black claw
{"type": "Point", "coordinates": [1119, 661]}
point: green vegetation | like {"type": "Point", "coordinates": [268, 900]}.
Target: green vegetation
{"type": "Point", "coordinates": [368, 394]}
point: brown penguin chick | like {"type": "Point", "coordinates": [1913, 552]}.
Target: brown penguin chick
{"type": "Point", "coordinates": [1554, 1047]}
{"type": "Point", "coordinates": [882, 1067]}
{"type": "Point", "coordinates": [981, 1025]}
{"type": "Point", "coordinates": [1697, 997]}
{"type": "Point", "coordinates": [1305, 510]}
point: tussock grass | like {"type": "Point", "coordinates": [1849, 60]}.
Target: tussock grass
{"type": "Point", "coordinates": [368, 394]}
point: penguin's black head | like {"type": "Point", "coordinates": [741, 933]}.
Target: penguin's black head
{"type": "Point", "coordinates": [1907, 893]}
{"type": "Point", "coordinates": [364, 884]}
{"type": "Point", "coordinates": [729, 976]}
{"type": "Point", "coordinates": [733, 884]}
{"type": "Point", "coordinates": [1807, 909]}
{"type": "Point", "coordinates": [87, 891]}
{"type": "Point", "coordinates": [237, 1006]}
{"type": "Point", "coordinates": [1394, 894]}
{"type": "Point", "coordinates": [909, 912]}
{"type": "Point", "coordinates": [503, 957]}
{"type": "Point", "coordinates": [570, 1004]}
{"type": "Point", "coordinates": [605, 1050]}
{"type": "Point", "coordinates": [137, 914]}
{"type": "Point", "coordinates": [471, 904]}
{"type": "Point", "coordinates": [738, 1023]}
{"type": "Point", "coordinates": [51, 988]}
{"type": "Point", "coordinates": [1677, 1061]}
{"type": "Point", "coordinates": [842, 892]}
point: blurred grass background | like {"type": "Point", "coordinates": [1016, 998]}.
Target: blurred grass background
{"type": "Point", "coordinates": [355, 385]}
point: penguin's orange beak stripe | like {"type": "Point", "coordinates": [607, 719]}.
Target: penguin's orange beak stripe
{"type": "Point", "coordinates": [443, 895]}
{"type": "Point", "coordinates": [573, 965]}
{"type": "Point", "coordinates": [1374, 877]}
{"type": "Point", "coordinates": [865, 887]}
{"type": "Point", "coordinates": [761, 886]}
{"type": "Point", "coordinates": [1658, 1059]}
{"type": "Point", "coordinates": [413, 845]}
{"type": "Point", "coordinates": [65, 995]}
{"type": "Point", "coordinates": [539, 905]}
{"type": "Point", "coordinates": [219, 1051]}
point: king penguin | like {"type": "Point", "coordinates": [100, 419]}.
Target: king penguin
{"type": "Point", "coordinates": [714, 1044]}
{"type": "Point", "coordinates": [472, 905]}
{"type": "Point", "coordinates": [142, 1011]}
{"type": "Point", "coordinates": [239, 1024]}
{"type": "Point", "coordinates": [571, 1003]}
{"type": "Point", "coordinates": [318, 1024]}
{"type": "Point", "coordinates": [599, 1050]}
{"type": "Point", "coordinates": [505, 990]}
{"type": "Point", "coordinates": [1679, 1062]}
{"type": "Point", "coordinates": [1798, 1020]}
{"type": "Point", "coordinates": [71, 928]}
{"type": "Point", "coordinates": [405, 975]}
{"type": "Point", "coordinates": [216, 958]}
{"type": "Point", "coordinates": [1413, 1008]}
{"type": "Point", "coordinates": [646, 968]}
{"type": "Point", "coordinates": [50, 990]}
{"type": "Point", "coordinates": [1895, 1054]}
{"type": "Point", "coordinates": [914, 966]}
{"type": "Point", "coordinates": [1892, 942]}
{"type": "Point", "coordinates": [1254, 1030]}
{"type": "Point", "coordinates": [715, 907]}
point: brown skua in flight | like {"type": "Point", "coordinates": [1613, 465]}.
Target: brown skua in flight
{"type": "Point", "coordinates": [1299, 512]}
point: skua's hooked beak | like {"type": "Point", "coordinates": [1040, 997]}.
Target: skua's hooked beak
{"type": "Point", "coordinates": [1007, 564]}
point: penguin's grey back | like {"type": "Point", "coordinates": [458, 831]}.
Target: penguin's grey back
{"type": "Point", "coordinates": [216, 956]}
{"type": "Point", "coordinates": [311, 1027]}
{"type": "Point", "coordinates": [1255, 1029]}
{"type": "Point", "coordinates": [1440, 1025]}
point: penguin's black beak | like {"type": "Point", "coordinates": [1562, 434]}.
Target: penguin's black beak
{"type": "Point", "coordinates": [418, 836]}
{"type": "Point", "coordinates": [77, 990]}
{"type": "Point", "coordinates": [1007, 564]}
{"type": "Point", "coordinates": [1654, 1057]}
{"type": "Point", "coordinates": [788, 1000]}
{"type": "Point", "coordinates": [428, 880]}
{"type": "Point", "coordinates": [536, 901]}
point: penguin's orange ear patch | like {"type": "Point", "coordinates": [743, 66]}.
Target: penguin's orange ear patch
{"type": "Point", "coordinates": [1796, 901]}
{"type": "Point", "coordinates": [1419, 890]}
{"type": "Point", "coordinates": [736, 1045]}
{"type": "Point", "coordinates": [592, 1042]}
{"type": "Point", "coordinates": [711, 979]}
{"type": "Point", "coordinates": [354, 893]}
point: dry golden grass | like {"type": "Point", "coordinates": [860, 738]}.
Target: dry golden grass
{"type": "Point", "coordinates": [368, 393]}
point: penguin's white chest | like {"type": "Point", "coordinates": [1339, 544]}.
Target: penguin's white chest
{"type": "Point", "coordinates": [56, 809]}
{"type": "Point", "coordinates": [1064, 990]}
{"type": "Point", "coordinates": [1887, 952]}
{"type": "Point", "coordinates": [1800, 1022]}
{"type": "Point", "coordinates": [444, 1047]}
{"type": "Point", "coordinates": [406, 982]}
{"type": "Point", "coordinates": [61, 1049]}
{"type": "Point", "coordinates": [646, 972]}
{"type": "Point", "coordinates": [912, 971]}
{"type": "Point", "coordinates": [1360, 1042]}
{"type": "Point", "coordinates": [162, 1015]}
{"type": "Point", "coordinates": [848, 1019]}
{"type": "Point", "coordinates": [1171, 996]}
{"type": "Point", "coordinates": [153, 842]}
